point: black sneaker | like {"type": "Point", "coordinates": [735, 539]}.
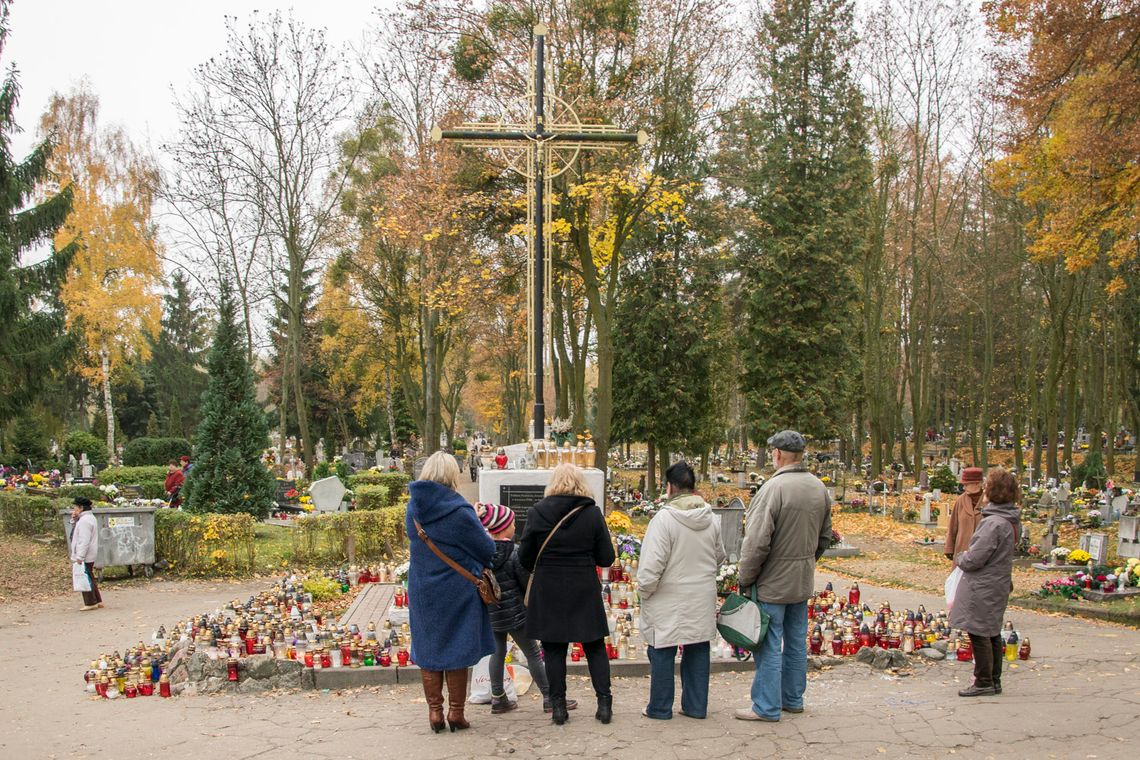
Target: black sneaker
{"type": "Point", "coordinates": [977, 691]}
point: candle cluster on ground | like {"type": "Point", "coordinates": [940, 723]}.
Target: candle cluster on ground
{"type": "Point", "coordinates": [282, 622]}
{"type": "Point", "coordinates": [843, 624]}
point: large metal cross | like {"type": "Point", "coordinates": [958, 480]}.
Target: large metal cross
{"type": "Point", "coordinates": [551, 135]}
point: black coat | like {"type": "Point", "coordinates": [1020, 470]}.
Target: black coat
{"type": "Point", "coordinates": [566, 596]}
{"type": "Point", "coordinates": [508, 614]}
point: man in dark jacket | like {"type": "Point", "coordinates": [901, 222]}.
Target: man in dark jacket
{"type": "Point", "coordinates": [508, 615]}
{"type": "Point", "coordinates": [787, 528]}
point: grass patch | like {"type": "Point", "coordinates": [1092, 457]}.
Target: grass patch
{"type": "Point", "coordinates": [273, 547]}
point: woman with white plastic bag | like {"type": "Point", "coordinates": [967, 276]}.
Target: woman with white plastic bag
{"type": "Point", "coordinates": [84, 549]}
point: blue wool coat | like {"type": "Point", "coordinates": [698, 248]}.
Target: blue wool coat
{"type": "Point", "coordinates": [451, 628]}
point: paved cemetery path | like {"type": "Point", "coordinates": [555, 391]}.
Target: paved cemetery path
{"type": "Point", "coordinates": [1079, 697]}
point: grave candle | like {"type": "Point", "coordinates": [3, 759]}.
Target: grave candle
{"type": "Point", "coordinates": [1024, 651]}
{"type": "Point", "coordinates": [164, 686]}
{"type": "Point", "coordinates": [232, 667]}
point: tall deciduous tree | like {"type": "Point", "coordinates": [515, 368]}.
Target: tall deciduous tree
{"type": "Point", "coordinates": [111, 296]}
{"type": "Point", "coordinates": [275, 101]}
{"type": "Point", "coordinates": [31, 323]}
{"type": "Point", "coordinates": [798, 155]}
{"type": "Point", "coordinates": [228, 475]}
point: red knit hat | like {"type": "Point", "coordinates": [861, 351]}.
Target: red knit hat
{"type": "Point", "coordinates": [971, 475]}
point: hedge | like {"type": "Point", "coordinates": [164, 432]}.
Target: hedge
{"type": "Point", "coordinates": [204, 544]}
{"type": "Point", "coordinates": [371, 497]}
{"type": "Point", "coordinates": [366, 534]}
{"type": "Point", "coordinates": [396, 482]}
{"type": "Point", "coordinates": [155, 451]}
{"type": "Point", "coordinates": [31, 515]}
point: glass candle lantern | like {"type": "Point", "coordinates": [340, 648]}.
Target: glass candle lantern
{"type": "Point", "coordinates": [965, 650]}
{"type": "Point", "coordinates": [232, 669]}
{"type": "Point", "coordinates": [1024, 651]}
{"type": "Point", "coordinates": [402, 657]}
{"type": "Point", "coordinates": [146, 688]}
{"type": "Point", "coordinates": [369, 657]}
{"type": "Point", "coordinates": [1011, 647]}
{"type": "Point", "coordinates": [385, 659]}
{"type": "Point", "coordinates": [164, 686]}
{"type": "Point", "coordinates": [908, 641]}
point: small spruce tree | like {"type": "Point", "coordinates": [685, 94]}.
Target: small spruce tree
{"type": "Point", "coordinates": [228, 475]}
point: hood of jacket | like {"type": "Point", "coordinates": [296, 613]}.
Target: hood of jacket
{"type": "Point", "coordinates": [434, 501]}
{"type": "Point", "coordinates": [1008, 511]}
{"type": "Point", "coordinates": [691, 511]}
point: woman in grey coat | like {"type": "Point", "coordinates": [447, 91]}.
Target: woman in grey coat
{"type": "Point", "coordinates": [987, 569]}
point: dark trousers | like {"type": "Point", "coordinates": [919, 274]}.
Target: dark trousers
{"type": "Point", "coordinates": [91, 597]}
{"type": "Point", "coordinates": [988, 651]}
{"type": "Point", "coordinates": [555, 654]}
{"type": "Point", "coordinates": [694, 680]}
{"type": "Point", "coordinates": [534, 662]}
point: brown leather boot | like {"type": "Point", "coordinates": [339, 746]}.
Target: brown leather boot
{"type": "Point", "coordinates": [456, 699]}
{"type": "Point", "coordinates": [433, 690]}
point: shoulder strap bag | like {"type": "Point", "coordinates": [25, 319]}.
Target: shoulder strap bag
{"type": "Point", "coordinates": [550, 535]}
{"type": "Point", "coordinates": [742, 622]}
{"type": "Point", "coordinates": [486, 583]}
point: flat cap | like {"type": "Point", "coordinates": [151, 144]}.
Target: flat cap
{"type": "Point", "coordinates": [787, 440]}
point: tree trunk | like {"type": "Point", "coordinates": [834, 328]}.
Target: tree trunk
{"type": "Point", "coordinates": [108, 404]}
{"type": "Point", "coordinates": [651, 469]}
{"type": "Point", "coordinates": [663, 457]}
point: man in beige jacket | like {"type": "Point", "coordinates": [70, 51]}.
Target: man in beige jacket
{"type": "Point", "coordinates": [786, 530]}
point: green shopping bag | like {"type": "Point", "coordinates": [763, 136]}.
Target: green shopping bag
{"type": "Point", "coordinates": [742, 622]}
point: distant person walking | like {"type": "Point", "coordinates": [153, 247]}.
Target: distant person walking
{"type": "Point", "coordinates": [680, 556]}
{"type": "Point", "coordinates": [565, 541]}
{"type": "Point", "coordinates": [85, 548]}
{"type": "Point", "coordinates": [787, 529]}
{"type": "Point", "coordinates": [987, 580]}
{"type": "Point", "coordinates": [451, 628]}
{"type": "Point", "coordinates": [965, 513]}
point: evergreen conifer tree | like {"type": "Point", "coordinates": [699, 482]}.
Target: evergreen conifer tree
{"type": "Point", "coordinates": [179, 353]}
{"type": "Point", "coordinates": [174, 426]}
{"type": "Point", "coordinates": [31, 322]}
{"type": "Point", "coordinates": [228, 475]}
{"type": "Point", "coordinates": [799, 157]}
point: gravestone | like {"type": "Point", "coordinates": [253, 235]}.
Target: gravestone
{"type": "Point", "coordinates": [924, 481]}
{"type": "Point", "coordinates": [1049, 540]}
{"type": "Point", "coordinates": [732, 527]}
{"type": "Point", "coordinates": [1116, 507]}
{"type": "Point", "coordinates": [956, 466]}
{"type": "Point", "coordinates": [418, 467]}
{"type": "Point", "coordinates": [1064, 500]}
{"type": "Point", "coordinates": [355, 460]}
{"type": "Point", "coordinates": [1128, 537]}
{"type": "Point", "coordinates": [327, 494]}
{"type": "Point", "coordinates": [284, 486]}
{"type": "Point", "coordinates": [86, 470]}
{"type": "Point", "coordinates": [1096, 544]}
{"type": "Point", "coordinates": [72, 466]}
{"type": "Point", "coordinates": [924, 517]}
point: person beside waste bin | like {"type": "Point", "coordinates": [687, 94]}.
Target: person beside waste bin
{"type": "Point", "coordinates": [84, 548]}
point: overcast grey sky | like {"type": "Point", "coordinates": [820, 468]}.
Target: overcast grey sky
{"type": "Point", "coordinates": [134, 51]}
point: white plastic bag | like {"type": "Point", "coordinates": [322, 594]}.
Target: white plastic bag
{"type": "Point", "coordinates": [952, 581]}
{"type": "Point", "coordinates": [481, 683]}
{"type": "Point", "coordinates": [79, 579]}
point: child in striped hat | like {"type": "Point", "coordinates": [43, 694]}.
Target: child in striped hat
{"type": "Point", "coordinates": [508, 615]}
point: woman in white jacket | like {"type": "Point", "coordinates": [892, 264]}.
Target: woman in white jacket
{"type": "Point", "coordinates": [84, 548]}
{"type": "Point", "coordinates": [680, 556]}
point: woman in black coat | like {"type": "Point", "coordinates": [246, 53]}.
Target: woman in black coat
{"type": "Point", "coordinates": [565, 596]}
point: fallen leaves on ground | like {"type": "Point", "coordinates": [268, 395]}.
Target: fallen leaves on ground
{"type": "Point", "coordinates": [32, 570]}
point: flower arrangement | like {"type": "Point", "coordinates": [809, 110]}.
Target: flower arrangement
{"type": "Point", "coordinates": [727, 578]}
{"type": "Point", "coordinates": [402, 571]}
{"type": "Point", "coordinates": [1128, 574]}
{"type": "Point", "coordinates": [1094, 516]}
{"type": "Point", "coordinates": [619, 522]}
{"type": "Point", "coordinates": [647, 508]}
{"type": "Point", "coordinates": [628, 547]}
{"type": "Point", "coordinates": [1079, 557]}
{"type": "Point", "coordinates": [1065, 587]}
{"type": "Point", "coordinates": [109, 490]}
{"type": "Point", "coordinates": [561, 427]}
{"type": "Point", "coordinates": [1059, 551]}
{"type": "Point", "coordinates": [836, 538]}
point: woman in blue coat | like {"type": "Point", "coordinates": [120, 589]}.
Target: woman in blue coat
{"type": "Point", "coordinates": [451, 628]}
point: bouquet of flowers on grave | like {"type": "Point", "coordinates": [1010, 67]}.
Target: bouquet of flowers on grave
{"type": "Point", "coordinates": [647, 508]}
{"type": "Point", "coordinates": [1059, 554]}
{"type": "Point", "coordinates": [1129, 573]}
{"type": "Point", "coordinates": [836, 539]}
{"type": "Point", "coordinates": [727, 578]}
{"type": "Point", "coordinates": [619, 522]}
{"type": "Point", "coordinates": [628, 547]}
{"type": "Point", "coordinates": [1079, 557]}
{"type": "Point", "coordinates": [402, 571]}
{"type": "Point", "coordinates": [1065, 587]}
{"type": "Point", "coordinates": [109, 490]}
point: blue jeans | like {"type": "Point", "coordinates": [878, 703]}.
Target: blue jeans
{"type": "Point", "coordinates": [694, 681]}
{"type": "Point", "coordinates": [781, 663]}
